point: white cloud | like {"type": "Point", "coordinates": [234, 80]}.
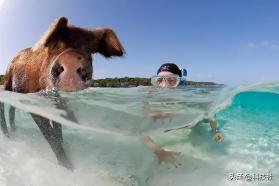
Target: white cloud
{"type": "Point", "coordinates": [264, 44]}
{"type": "Point", "coordinates": [275, 46]}
{"type": "Point", "coordinates": [251, 45]}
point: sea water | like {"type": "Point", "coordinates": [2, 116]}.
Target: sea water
{"type": "Point", "coordinates": [105, 146]}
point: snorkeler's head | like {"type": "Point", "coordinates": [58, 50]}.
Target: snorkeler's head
{"type": "Point", "coordinates": [168, 75]}
{"type": "Point", "coordinates": [170, 67]}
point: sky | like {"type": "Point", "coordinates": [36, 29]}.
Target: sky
{"type": "Point", "coordinates": [225, 41]}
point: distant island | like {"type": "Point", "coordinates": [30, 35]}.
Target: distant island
{"type": "Point", "coordinates": [134, 82]}
{"type": "Point", "coordinates": [127, 82]}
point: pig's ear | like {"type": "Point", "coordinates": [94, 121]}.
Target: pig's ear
{"type": "Point", "coordinates": [51, 35]}
{"type": "Point", "coordinates": [107, 43]}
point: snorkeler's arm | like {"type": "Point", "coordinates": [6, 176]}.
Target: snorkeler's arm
{"type": "Point", "coordinates": [213, 124]}
{"type": "Point", "coordinates": [150, 143]}
{"type": "Point", "coordinates": [163, 155]}
{"type": "Point", "coordinates": [215, 130]}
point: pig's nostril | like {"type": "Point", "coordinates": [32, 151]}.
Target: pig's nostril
{"type": "Point", "coordinates": [82, 73]}
{"type": "Point", "coordinates": [79, 71]}
{"type": "Point", "coordinates": [83, 77]}
{"type": "Point", "coordinates": [57, 70]}
{"type": "Point", "coordinates": [60, 69]}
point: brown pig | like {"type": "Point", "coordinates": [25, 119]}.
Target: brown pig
{"type": "Point", "coordinates": [61, 59]}
{"type": "Point", "coordinates": [64, 51]}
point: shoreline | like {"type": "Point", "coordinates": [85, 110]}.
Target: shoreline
{"type": "Point", "coordinates": [127, 82]}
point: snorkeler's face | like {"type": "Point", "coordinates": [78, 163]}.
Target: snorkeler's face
{"type": "Point", "coordinates": [166, 80]}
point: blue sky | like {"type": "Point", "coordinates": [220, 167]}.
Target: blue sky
{"type": "Point", "coordinates": [226, 41]}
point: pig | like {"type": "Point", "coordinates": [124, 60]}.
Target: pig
{"type": "Point", "coordinates": [62, 59]}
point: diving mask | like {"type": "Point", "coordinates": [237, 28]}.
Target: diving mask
{"type": "Point", "coordinates": [165, 80]}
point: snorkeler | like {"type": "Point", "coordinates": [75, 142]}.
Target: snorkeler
{"type": "Point", "coordinates": [169, 75]}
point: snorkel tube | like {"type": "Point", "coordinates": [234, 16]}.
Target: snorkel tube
{"type": "Point", "coordinates": [183, 81]}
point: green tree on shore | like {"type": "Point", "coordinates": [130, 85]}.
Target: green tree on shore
{"type": "Point", "coordinates": [126, 82]}
{"type": "Point", "coordinates": [1, 79]}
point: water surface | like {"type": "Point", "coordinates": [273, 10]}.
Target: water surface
{"type": "Point", "coordinates": [104, 145]}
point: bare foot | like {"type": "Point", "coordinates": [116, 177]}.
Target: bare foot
{"type": "Point", "coordinates": [168, 157]}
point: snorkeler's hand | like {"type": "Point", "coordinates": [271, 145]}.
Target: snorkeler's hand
{"type": "Point", "coordinates": [218, 137]}
{"type": "Point", "coordinates": [168, 157]}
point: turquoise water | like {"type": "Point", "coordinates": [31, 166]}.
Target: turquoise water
{"type": "Point", "coordinates": [106, 149]}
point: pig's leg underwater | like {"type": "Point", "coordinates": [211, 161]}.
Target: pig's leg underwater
{"type": "Point", "coordinates": [3, 123]}
{"type": "Point", "coordinates": [53, 134]}
{"type": "Point", "coordinates": [54, 141]}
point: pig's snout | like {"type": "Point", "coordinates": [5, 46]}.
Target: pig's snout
{"type": "Point", "coordinates": [69, 73]}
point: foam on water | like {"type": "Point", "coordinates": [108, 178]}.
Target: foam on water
{"type": "Point", "coordinates": [249, 122]}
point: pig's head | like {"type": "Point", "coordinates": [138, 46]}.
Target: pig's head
{"type": "Point", "coordinates": [68, 65]}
